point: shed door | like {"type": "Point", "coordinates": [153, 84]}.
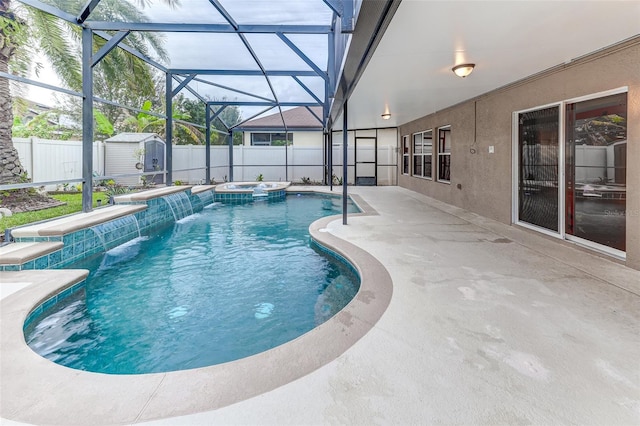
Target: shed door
{"type": "Point", "coordinates": [154, 160]}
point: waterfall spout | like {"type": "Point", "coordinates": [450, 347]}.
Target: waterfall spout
{"type": "Point", "coordinates": [180, 205]}
{"type": "Point", "coordinates": [116, 232]}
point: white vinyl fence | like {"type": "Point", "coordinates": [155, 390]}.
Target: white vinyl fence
{"type": "Point", "coordinates": [274, 163]}
{"type": "Point", "coordinates": [53, 160]}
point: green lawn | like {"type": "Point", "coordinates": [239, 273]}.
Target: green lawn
{"type": "Point", "coordinates": [74, 204]}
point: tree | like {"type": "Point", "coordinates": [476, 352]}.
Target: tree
{"type": "Point", "coordinates": [26, 30]}
{"type": "Point", "coordinates": [11, 36]}
{"type": "Point", "coordinates": [193, 112]}
{"type": "Point", "coordinates": [231, 116]}
{"type": "Point", "coordinates": [45, 126]}
{"type": "Point", "coordinates": [145, 122]}
{"type": "Point", "coordinates": [104, 127]}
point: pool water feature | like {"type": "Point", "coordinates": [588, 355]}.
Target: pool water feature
{"type": "Point", "coordinates": [220, 285]}
{"type": "Point", "coordinates": [180, 205]}
{"type": "Point", "coordinates": [206, 197]}
{"type": "Point", "coordinates": [113, 233]}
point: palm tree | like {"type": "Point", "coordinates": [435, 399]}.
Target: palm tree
{"type": "Point", "coordinates": [10, 37]}
{"type": "Point", "coordinates": [59, 41]}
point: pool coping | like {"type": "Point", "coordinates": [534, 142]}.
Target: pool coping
{"type": "Point", "coordinates": [196, 189]}
{"type": "Point", "coordinates": [36, 390]}
{"type": "Point", "coordinates": [150, 194]}
{"type": "Point", "coordinates": [222, 189]}
{"type": "Point", "coordinates": [74, 222]}
{"type": "Point", "coordinates": [19, 253]}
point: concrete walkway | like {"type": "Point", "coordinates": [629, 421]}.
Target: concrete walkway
{"type": "Point", "coordinates": [488, 324]}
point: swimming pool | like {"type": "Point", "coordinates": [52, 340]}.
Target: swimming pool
{"type": "Point", "coordinates": [220, 285]}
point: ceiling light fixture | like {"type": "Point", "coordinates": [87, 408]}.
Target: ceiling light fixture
{"type": "Point", "coordinates": [386, 116]}
{"type": "Point", "coordinates": [463, 70]}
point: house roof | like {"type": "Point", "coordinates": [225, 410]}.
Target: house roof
{"type": "Point", "coordinates": [132, 137]}
{"type": "Point", "coordinates": [295, 118]}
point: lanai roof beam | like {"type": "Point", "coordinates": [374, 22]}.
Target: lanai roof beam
{"type": "Point", "coordinates": [86, 10]}
{"type": "Point", "coordinates": [244, 73]}
{"type": "Point", "coordinates": [242, 92]}
{"type": "Point", "coordinates": [302, 56]}
{"type": "Point", "coordinates": [193, 92]}
{"type": "Point", "coordinates": [204, 28]}
{"type": "Point", "coordinates": [335, 5]}
{"type": "Point", "coordinates": [52, 10]}
{"type": "Point", "coordinates": [225, 14]}
{"type": "Point", "coordinates": [264, 72]}
{"type": "Point", "coordinates": [182, 84]}
{"type": "Point", "coordinates": [261, 103]}
{"type": "Point", "coordinates": [315, 115]}
{"type": "Point", "coordinates": [253, 116]}
{"type": "Point", "coordinates": [306, 89]}
{"type": "Point", "coordinates": [217, 113]}
{"type": "Point", "coordinates": [133, 51]}
{"type": "Point", "coordinates": [108, 47]}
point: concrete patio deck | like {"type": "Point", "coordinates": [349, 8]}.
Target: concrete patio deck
{"type": "Point", "coordinates": [487, 324]}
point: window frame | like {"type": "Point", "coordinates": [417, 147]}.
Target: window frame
{"type": "Point", "coordinates": [443, 153]}
{"type": "Point", "coordinates": [420, 155]}
{"type": "Point", "coordinates": [406, 155]}
{"type": "Point", "coordinates": [271, 138]}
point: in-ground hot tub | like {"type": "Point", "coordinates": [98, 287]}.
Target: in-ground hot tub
{"type": "Point", "coordinates": [247, 191]}
{"type": "Point", "coordinates": [246, 187]}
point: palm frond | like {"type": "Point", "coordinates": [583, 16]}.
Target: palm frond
{"type": "Point", "coordinates": [52, 35]}
{"type": "Point", "coordinates": [195, 134]}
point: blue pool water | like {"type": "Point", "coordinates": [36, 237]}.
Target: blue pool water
{"type": "Point", "coordinates": [220, 285]}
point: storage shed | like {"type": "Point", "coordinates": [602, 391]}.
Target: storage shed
{"type": "Point", "coordinates": [135, 153]}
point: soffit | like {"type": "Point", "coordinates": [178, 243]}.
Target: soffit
{"type": "Point", "coordinates": [410, 70]}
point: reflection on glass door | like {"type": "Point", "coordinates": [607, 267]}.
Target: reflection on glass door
{"type": "Point", "coordinates": [596, 163]}
{"type": "Point", "coordinates": [538, 167]}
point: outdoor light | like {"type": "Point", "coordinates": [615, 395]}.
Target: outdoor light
{"type": "Point", "coordinates": [386, 116]}
{"type": "Point", "coordinates": [463, 70]}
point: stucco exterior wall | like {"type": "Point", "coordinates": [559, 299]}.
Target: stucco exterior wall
{"type": "Point", "coordinates": [482, 182]}
{"type": "Point", "coordinates": [310, 139]}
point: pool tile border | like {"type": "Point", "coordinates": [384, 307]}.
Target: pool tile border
{"type": "Point", "coordinates": [46, 304]}
{"type": "Point", "coordinates": [85, 242]}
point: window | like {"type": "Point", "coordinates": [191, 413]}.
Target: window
{"type": "Point", "coordinates": [261, 139]}
{"type": "Point", "coordinates": [422, 154]}
{"type": "Point", "coordinates": [405, 155]}
{"type": "Point", "coordinates": [444, 154]}
{"type": "Point", "coordinates": [271, 139]}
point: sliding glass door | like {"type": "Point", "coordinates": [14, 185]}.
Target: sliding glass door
{"type": "Point", "coordinates": [571, 180]}
{"type": "Point", "coordinates": [538, 153]}
{"type": "Point", "coordinates": [596, 165]}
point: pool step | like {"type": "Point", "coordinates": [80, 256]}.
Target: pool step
{"type": "Point", "coordinates": [15, 256]}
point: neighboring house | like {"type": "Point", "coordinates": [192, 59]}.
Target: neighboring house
{"type": "Point", "coordinates": [303, 128]}
{"type": "Point", "coordinates": [26, 110]}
